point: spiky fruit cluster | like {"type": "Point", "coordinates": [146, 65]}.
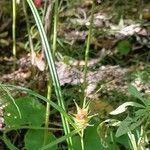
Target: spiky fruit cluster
{"type": "Point", "coordinates": [81, 118]}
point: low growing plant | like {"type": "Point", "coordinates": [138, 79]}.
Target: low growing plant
{"type": "Point", "coordinates": [136, 124]}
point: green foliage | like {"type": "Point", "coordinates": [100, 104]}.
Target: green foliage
{"type": "Point", "coordinates": [131, 123]}
{"type": "Point", "coordinates": [124, 47]}
{"type": "Point", "coordinates": [32, 113]}
{"type": "Point", "coordinates": [91, 140]}
{"type": "Point", "coordinates": [29, 113]}
{"type": "Point", "coordinates": [34, 139]}
{"type": "Point", "coordinates": [124, 140]}
{"type": "Point", "coordinates": [128, 124]}
{"type": "Point", "coordinates": [139, 118]}
{"type": "Point", "coordinates": [36, 124]}
{"type": "Point", "coordinates": [132, 90]}
{"type": "Point", "coordinates": [107, 137]}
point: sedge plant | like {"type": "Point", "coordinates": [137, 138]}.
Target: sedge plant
{"type": "Point", "coordinates": [52, 69]}
{"type": "Point", "coordinates": [82, 117]}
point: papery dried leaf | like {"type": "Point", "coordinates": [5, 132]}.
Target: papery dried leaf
{"type": "Point", "coordinates": [39, 60]}
{"type": "Point", "coordinates": [33, 55]}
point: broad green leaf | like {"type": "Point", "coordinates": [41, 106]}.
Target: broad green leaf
{"type": "Point", "coordinates": [91, 140]}
{"type": "Point", "coordinates": [129, 124]}
{"type": "Point", "coordinates": [34, 94]}
{"type": "Point", "coordinates": [122, 108]}
{"type": "Point", "coordinates": [124, 47]}
{"type": "Point", "coordinates": [124, 140]}
{"type": "Point", "coordinates": [76, 142]}
{"type": "Point", "coordinates": [124, 126]}
{"type": "Point", "coordinates": [34, 140]}
{"type": "Point", "coordinates": [141, 112]}
{"type": "Point", "coordinates": [132, 90]}
{"type": "Point", "coordinates": [32, 112]}
{"type": "Point", "coordinates": [147, 103]}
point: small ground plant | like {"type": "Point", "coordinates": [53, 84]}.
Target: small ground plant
{"type": "Point", "coordinates": [136, 124]}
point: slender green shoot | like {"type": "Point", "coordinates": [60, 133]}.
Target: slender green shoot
{"type": "Point", "coordinates": [63, 138]}
{"type": "Point", "coordinates": [28, 26]}
{"type": "Point", "coordinates": [87, 53]}
{"type": "Point", "coordinates": [86, 67]}
{"type": "Point", "coordinates": [47, 13]}
{"type": "Point", "coordinates": [49, 86]}
{"type": "Point", "coordinates": [52, 68]}
{"type": "Point", "coordinates": [49, 92]}
{"type": "Point", "coordinates": [82, 141]}
{"type": "Point", "coordinates": [56, 12]}
{"type": "Point", "coordinates": [11, 98]}
{"type": "Point", "coordinates": [45, 8]}
{"type": "Point", "coordinates": [14, 27]}
{"type": "Point", "coordinates": [14, 34]}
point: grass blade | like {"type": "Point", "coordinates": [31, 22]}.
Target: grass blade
{"type": "Point", "coordinates": [51, 65]}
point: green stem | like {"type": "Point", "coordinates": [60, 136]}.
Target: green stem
{"type": "Point", "coordinates": [56, 12]}
{"type": "Point", "coordinates": [82, 140]}
{"type": "Point", "coordinates": [49, 84]}
{"type": "Point", "coordinates": [86, 67]}
{"type": "Point", "coordinates": [87, 54]}
{"type": "Point", "coordinates": [28, 27]}
{"type": "Point", "coordinates": [49, 92]}
{"type": "Point", "coordinates": [14, 34]}
{"type": "Point", "coordinates": [44, 11]}
{"type": "Point", "coordinates": [29, 36]}
{"type": "Point", "coordinates": [14, 27]}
